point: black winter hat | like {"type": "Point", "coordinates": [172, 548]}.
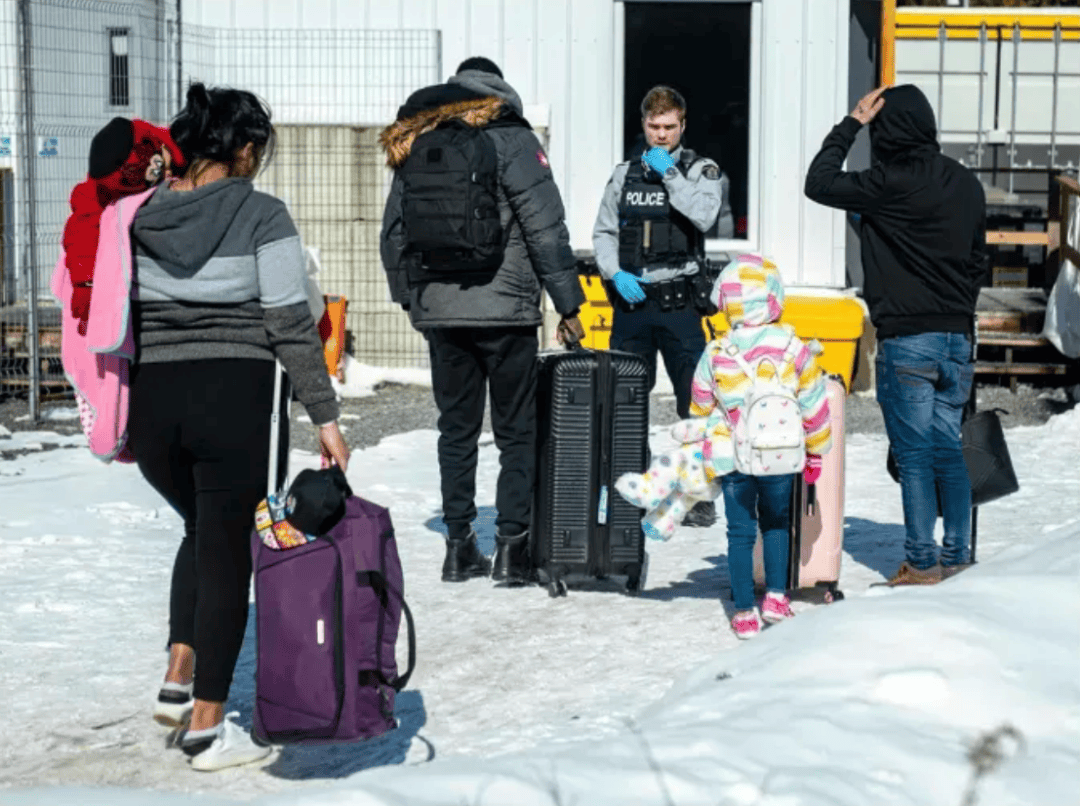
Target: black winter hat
{"type": "Point", "coordinates": [111, 147]}
{"type": "Point", "coordinates": [481, 63]}
{"type": "Point", "coordinates": [316, 500]}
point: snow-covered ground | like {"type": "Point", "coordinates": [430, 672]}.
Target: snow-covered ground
{"type": "Point", "coordinates": [596, 698]}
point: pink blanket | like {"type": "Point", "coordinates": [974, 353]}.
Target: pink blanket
{"type": "Point", "coordinates": [98, 364]}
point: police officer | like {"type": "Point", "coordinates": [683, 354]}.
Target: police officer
{"type": "Point", "coordinates": [649, 241]}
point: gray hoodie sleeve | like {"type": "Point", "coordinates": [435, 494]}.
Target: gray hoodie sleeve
{"type": "Point", "coordinates": [392, 244]}
{"type": "Point", "coordinates": [290, 327]}
{"type": "Point", "coordinates": [606, 229]}
{"type": "Point", "coordinates": [537, 205]}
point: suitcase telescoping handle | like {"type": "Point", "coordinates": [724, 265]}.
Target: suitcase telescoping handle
{"type": "Point", "coordinates": [281, 390]}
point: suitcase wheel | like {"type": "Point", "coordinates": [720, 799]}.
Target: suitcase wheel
{"type": "Point", "coordinates": [635, 582]}
{"type": "Point", "coordinates": [830, 593]}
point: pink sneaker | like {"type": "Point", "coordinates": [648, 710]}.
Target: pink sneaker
{"type": "Point", "coordinates": [746, 624]}
{"type": "Point", "coordinates": [776, 607]}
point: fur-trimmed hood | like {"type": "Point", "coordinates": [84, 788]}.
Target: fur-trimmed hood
{"type": "Point", "coordinates": [473, 96]}
{"type": "Point", "coordinates": [397, 138]}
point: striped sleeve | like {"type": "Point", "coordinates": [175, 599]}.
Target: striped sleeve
{"type": "Point", "coordinates": [702, 399]}
{"type": "Point", "coordinates": [813, 403]}
{"type": "Point", "coordinates": [280, 258]}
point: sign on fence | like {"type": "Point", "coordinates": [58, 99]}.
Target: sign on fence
{"type": "Point", "coordinates": [48, 146]}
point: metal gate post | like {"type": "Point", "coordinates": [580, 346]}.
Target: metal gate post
{"type": "Point", "coordinates": [1054, 96]}
{"type": "Point", "coordinates": [942, 36]}
{"type": "Point", "coordinates": [27, 151]}
{"type": "Point", "coordinates": [982, 83]}
{"type": "Point", "coordinates": [1015, 81]}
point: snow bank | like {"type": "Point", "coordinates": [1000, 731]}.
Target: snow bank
{"type": "Point", "coordinates": [876, 700]}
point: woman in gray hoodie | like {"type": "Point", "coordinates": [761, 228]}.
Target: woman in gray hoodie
{"type": "Point", "coordinates": [220, 294]}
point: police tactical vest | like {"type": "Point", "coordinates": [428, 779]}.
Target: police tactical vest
{"type": "Point", "coordinates": [450, 207]}
{"type": "Point", "coordinates": [652, 234]}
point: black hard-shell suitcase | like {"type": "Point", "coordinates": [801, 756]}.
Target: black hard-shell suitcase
{"type": "Point", "coordinates": [593, 426]}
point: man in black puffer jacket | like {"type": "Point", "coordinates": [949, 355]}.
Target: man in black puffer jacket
{"type": "Point", "coordinates": [481, 329]}
{"type": "Point", "coordinates": [923, 233]}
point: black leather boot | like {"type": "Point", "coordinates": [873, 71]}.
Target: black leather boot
{"type": "Point", "coordinates": [464, 560]}
{"type": "Point", "coordinates": [702, 514]}
{"type": "Point", "coordinates": [513, 565]}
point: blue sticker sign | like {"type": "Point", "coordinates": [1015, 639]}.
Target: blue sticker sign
{"type": "Point", "coordinates": [48, 146]}
{"type": "Point", "coordinates": [7, 149]}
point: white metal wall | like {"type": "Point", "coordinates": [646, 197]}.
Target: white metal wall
{"type": "Point", "coordinates": [804, 79]}
{"type": "Point", "coordinates": [565, 59]}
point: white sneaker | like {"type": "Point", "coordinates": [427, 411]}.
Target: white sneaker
{"type": "Point", "coordinates": [174, 703]}
{"type": "Point", "coordinates": [232, 746]}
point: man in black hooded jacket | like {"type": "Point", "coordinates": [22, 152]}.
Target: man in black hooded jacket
{"type": "Point", "coordinates": [922, 219]}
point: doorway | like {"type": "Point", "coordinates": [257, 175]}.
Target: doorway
{"type": "Point", "coordinates": [702, 49]}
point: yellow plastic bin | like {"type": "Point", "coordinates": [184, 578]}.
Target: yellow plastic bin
{"type": "Point", "coordinates": [596, 314]}
{"type": "Point", "coordinates": [835, 320]}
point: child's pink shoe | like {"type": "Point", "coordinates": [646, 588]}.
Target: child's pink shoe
{"type": "Point", "coordinates": [776, 607]}
{"type": "Point", "coordinates": [746, 624]}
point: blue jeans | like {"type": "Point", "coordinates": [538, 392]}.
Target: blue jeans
{"type": "Point", "coordinates": [748, 501]}
{"type": "Point", "coordinates": [923, 382]}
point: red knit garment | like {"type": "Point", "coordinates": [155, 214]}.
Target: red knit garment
{"type": "Point", "coordinates": [90, 197]}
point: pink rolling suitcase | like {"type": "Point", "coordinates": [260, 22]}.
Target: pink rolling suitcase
{"type": "Point", "coordinates": [817, 524]}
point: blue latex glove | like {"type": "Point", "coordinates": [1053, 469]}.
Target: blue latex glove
{"type": "Point", "coordinates": [628, 286]}
{"type": "Point", "coordinates": [658, 159]}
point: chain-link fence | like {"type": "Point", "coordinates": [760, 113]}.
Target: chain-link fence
{"type": "Point", "coordinates": [68, 66]}
{"type": "Point", "coordinates": [331, 93]}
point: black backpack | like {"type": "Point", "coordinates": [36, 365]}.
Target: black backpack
{"type": "Point", "coordinates": [450, 207]}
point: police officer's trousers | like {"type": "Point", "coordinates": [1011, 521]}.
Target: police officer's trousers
{"type": "Point", "coordinates": [677, 334]}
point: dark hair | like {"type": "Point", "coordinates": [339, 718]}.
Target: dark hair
{"type": "Point", "coordinates": [217, 122]}
{"type": "Point", "coordinates": [661, 99]}
{"type": "Point", "coordinates": [480, 63]}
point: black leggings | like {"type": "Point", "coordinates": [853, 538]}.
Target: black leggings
{"type": "Point", "coordinates": [200, 432]}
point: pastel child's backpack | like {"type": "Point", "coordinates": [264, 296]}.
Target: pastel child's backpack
{"type": "Point", "coordinates": [768, 435]}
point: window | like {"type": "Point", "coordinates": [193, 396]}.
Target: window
{"type": "Point", "coordinates": [119, 84]}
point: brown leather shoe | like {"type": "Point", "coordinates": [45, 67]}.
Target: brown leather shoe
{"type": "Point", "coordinates": [908, 574]}
{"type": "Point", "coordinates": [952, 570]}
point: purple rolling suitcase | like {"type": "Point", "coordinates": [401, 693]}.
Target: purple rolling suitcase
{"type": "Point", "coordinates": [327, 618]}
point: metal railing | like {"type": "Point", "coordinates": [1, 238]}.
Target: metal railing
{"type": "Point", "coordinates": [991, 39]}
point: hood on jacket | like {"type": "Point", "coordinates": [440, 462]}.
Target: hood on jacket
{"type": "Point", "coordinates": [905, 127]}
{"type": "Point", "coordinates": [185, 229]}
{"type": "Point", "coordinates": [472, 96]}
{"type": "Point", "coordinates": [749, 291]}
{"type": "Point", "coordinates": [488, 84]}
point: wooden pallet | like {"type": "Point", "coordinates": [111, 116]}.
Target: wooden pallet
{"type": "Point", "coordinates": [1009, 341]}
